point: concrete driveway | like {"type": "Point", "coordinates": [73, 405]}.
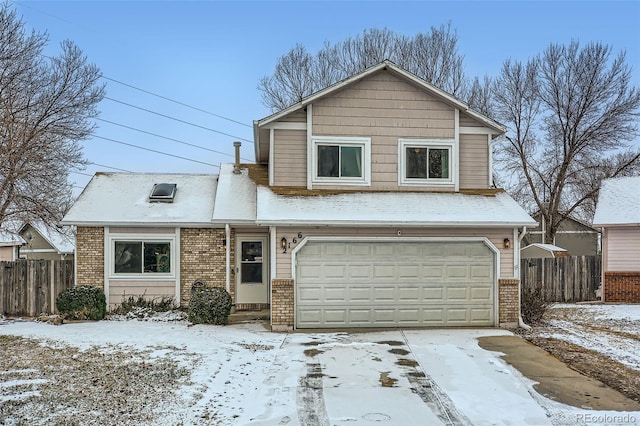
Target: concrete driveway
{"type": "Point", "coordinates": [399, 377]}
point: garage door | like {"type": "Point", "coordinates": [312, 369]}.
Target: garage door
{"type": "Point", "coordinates": [388, 284]}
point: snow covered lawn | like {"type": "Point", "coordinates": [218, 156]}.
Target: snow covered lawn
{"type": "Point", "coordinates": [170, 373]}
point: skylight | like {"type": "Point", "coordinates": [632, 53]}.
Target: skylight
{"type": "Point", "coordinates": [163, 192]}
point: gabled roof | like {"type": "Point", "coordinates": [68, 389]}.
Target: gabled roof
{"type": "Point", "coordinates": [618, 202]}
{"type": "Point", "coordinates": [123, 199]}
{"type": "Point", "coordinates": [57, 238]}
{"type": "Point", "coordinates": [570, 218]}
{"type": "Point", "coordinates": [9, 239]}
{"type": "Point", "coordinates": [391, 209]}
{"type": "Point", "coordinates": [384, 65]}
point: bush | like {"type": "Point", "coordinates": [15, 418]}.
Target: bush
{"type": "Point", "coordinates": [141, 307]}
{"type": "Point", "coordinates": [533, 305]}
{"type": "Point", "coordinates": [82, 303]}
{"type": "Point", "coordinates": [209, 305]}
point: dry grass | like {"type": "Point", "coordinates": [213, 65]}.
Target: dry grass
{"type": "Point", "coordinates": [42, 384]}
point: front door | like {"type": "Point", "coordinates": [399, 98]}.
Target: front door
{"type": "Point", "coordinates": [252, 269]}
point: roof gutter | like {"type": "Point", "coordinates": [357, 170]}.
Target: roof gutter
{"type": "Point", "coordinates": [382, 223]}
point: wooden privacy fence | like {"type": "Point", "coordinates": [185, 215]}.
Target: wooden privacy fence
{"type": "Point", "coordinates": [30, 287]}
{"type": "Point", "coordinates": [563, 279]}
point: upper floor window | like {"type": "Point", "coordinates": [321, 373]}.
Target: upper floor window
{"type": "Point", "coordinates": [341, 160]}
{"type": "Point", "coordinates": [425, 162]}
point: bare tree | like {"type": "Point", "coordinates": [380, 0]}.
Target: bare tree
{"type": "Point", "coordinates": [571, 112]}
{"type": "Point", "coordinates": [432, 56]}
{"type": "Point", "coordinates": [46, 108]}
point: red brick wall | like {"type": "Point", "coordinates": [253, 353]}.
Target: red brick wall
{"type": "Point", "coordinates": [621, 287]}
{"type": "Point", "coordinates": [508, 302]}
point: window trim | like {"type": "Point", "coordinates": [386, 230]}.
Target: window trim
{"type": "Point", "coordinates": [363, 142]}
{"type": "Point", "coordinates": [143, 238]}
{"type": "Point", "coordinates": [403, 144]}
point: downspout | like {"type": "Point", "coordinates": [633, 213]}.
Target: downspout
{"type": "Point", "coordinates": [227, 236]}
{"type": "Point", "coordinates": [520, 320]}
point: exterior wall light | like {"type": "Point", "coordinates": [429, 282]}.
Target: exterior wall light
{"type": "Point", "coordinates": [507, 243]}
{"type": "Point", "coordinates": [283, 244]}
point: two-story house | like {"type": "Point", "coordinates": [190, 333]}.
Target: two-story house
{"type": "Point", "coordinates": [370, 205]}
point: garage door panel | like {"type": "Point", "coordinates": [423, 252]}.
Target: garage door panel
{"type": "Point", "coordinates": [383, 272]}
{"type": "Point", "coordinates": [456, 294]}
{"type": "Point", "coordinates": [410, 294]}
{"type": "Point", "coordinates": [384, 294]}
{"type": "Point", "coordinates": [360, 272]}
{"type": "Point", "coordinates": [386, 284]}
{"type": "Point", "coordinates": [456, 271]}
{"type": "Point", "coordinates": [409, 272]}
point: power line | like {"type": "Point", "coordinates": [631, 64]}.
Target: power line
{"type": "Point", "coordinates": [157, 152]}
{"type": "Point", "coordinates": [168, 138]}
{"type": "Point", "coordinates": [177, 119]}
{"type": "Point", "coordinates": [176, 102]}
{"type": "Point", "coordinates": [81, 173]}
{"type": "Point", "coordinates": [110, 167]}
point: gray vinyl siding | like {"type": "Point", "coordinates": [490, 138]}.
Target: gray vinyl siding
{"type": "Point", "coordinates": [290, 158]}
{"type": "Point", "coordinates": [496, 236]}
{"type": "Point", "coordinates": [474, 162]}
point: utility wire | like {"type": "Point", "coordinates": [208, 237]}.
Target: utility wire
{"type": "Point", "coordinates": [167, 138]}
{"type": "Point", "coordinates": [175, 102]}
{"type": "Point", "coordinates": [157, 152]}
{"type": "Point", "coordinates": [110, 167]}
{"type": "Point", "coordinates": [81, 173]}
{"type": "Point", "coordinates": [177, 119]}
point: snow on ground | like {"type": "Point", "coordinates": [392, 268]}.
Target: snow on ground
{"type": "Point", "coordinates": [613, 330]}
{"type": "Point", "coordinates": [243, 374]}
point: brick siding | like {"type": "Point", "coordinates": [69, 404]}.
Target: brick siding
{"type": "Point", "coordinates": [203, 257]}
{"type": "Point", "coordinates": [282, 304]}
{"type": "Point", "coordinates": [90, 256]}
{"type": "Point", "coordinates": [508, 302]}
{"type": "Point", "coordinates": [621, 287]}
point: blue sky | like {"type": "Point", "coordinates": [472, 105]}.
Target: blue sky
{"type": "Point", "coordinates": [212, 54]}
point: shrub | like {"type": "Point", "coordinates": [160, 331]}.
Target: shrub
{"type": "Point", "coordinates": [209, 305]}
{"type": "Point", "coordinates": [82, 303]}
{"type": "Point", "coordinates": [533, 305]}
{"type": "Point", "coordinates": [141, 307]}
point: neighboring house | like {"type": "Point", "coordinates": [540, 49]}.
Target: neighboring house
{"type": "Point", "coordinates": [573, 235]}
{"type": "Point", "coordinates": [618, 216]}
{"type": "Point", "coordinates": [46, 242]}
{"type": "Point", "coordinates": [371, 205]}
{"type": "Point", "coordinates": [542, 251]}
{"type": "Point", "coordinates": [10, 244]}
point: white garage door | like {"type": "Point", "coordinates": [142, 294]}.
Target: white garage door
{"type": "Point", "coordinates": [388, 284]}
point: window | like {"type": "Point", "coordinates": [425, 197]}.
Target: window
{"type": "Point", "coordinates": [142, 257]}
{"type": "Point", "coordinates": [425, 162]}
{"type": "Point", "coordinates": [338, 160]}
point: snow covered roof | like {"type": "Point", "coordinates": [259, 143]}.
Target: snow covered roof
{"type": "Point", "coordinates": [618, 202]}
{"type": "Point", "coordinates": [391, 208]}
{"type": "Point", "coordinates": [547, 247]}
{"type": "Point", "coordinates": [236, 197]}
{"type": "Point", "coordinates": [123, 199]}
{"type": "Point", "coordinates": [57, 238]}
{"type": "Point", "coordinates": [8, 239]}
